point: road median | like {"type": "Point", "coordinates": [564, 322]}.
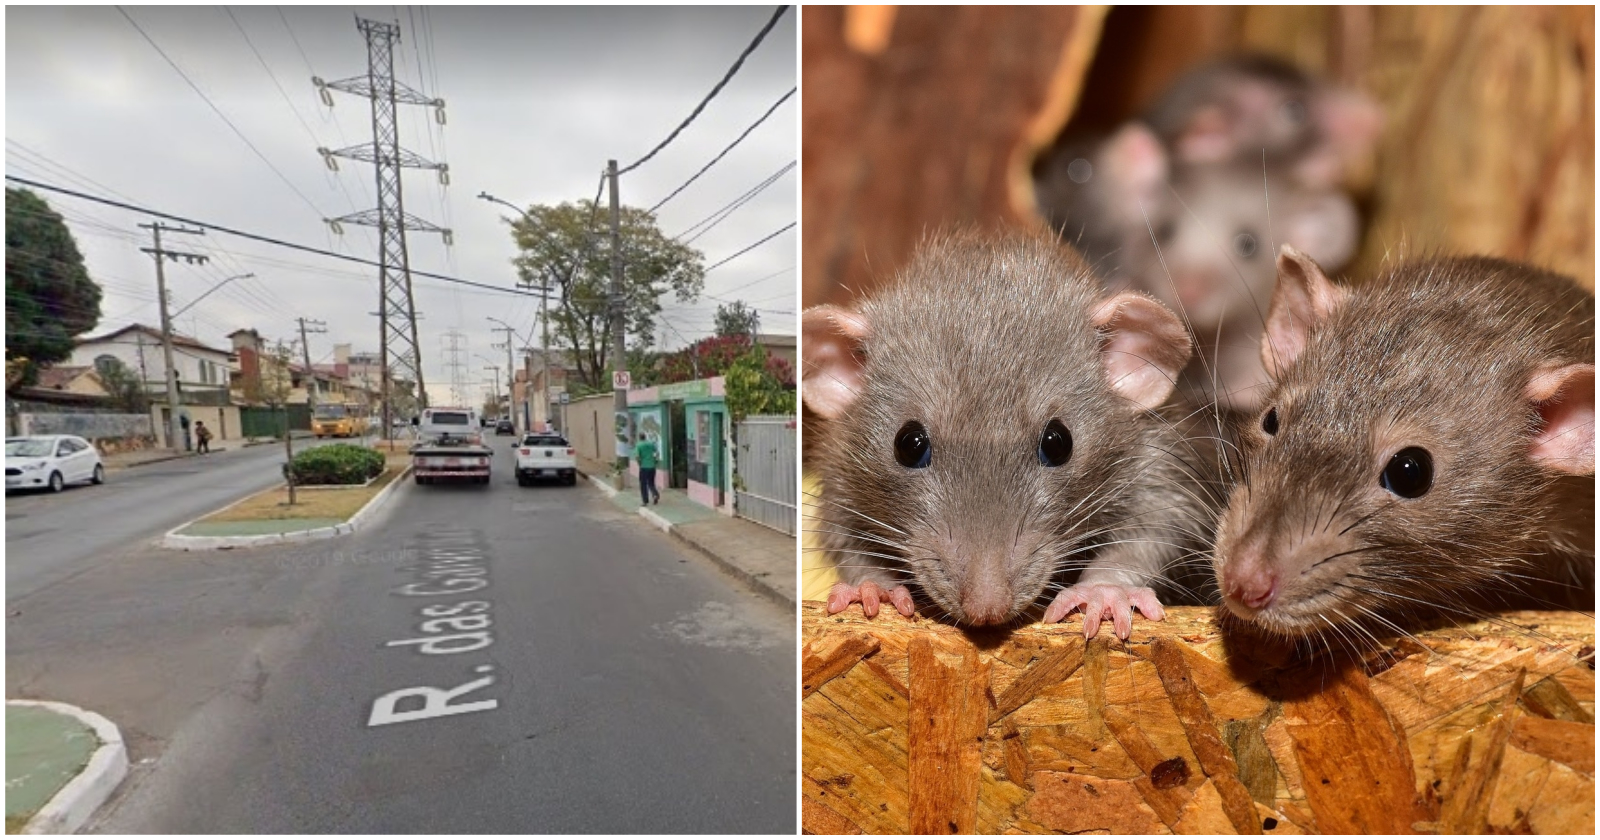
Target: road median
{"type": "Point", "coordinates": [266, 518]}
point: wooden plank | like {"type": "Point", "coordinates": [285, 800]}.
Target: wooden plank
{"type": "Point", "coordinates": [1201, 729]}
{"type": "Point", "coordinates": [949, 713]}
{"type": "Point", "coordinates": [825, 659]}
{"type": "Point", "coordinates": [1311, 722]}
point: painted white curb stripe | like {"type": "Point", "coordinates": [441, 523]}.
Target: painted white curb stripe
{"type": "Point", "coordinates": [74, 804]}
{"type": "Point", "coordinates": [655, 519]}
{"type": "Point", "coordinates": [605, 487]}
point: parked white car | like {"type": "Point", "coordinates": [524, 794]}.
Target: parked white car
{"type": "Point", "coordinates": [52, 462]}
{"type": "Point", "coordinates": [545, 455]}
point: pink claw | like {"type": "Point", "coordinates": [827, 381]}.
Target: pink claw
{"type": "Point", "coordinates": [870, 595]}
{"type": "Point", "coordinates": [1099, 601]}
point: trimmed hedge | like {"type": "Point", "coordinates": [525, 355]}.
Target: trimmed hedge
{"type": "Point", "coordinates": [338, 463]}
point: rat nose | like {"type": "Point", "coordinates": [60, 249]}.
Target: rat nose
{"type": "Point", "coordinates": [1251, 581]}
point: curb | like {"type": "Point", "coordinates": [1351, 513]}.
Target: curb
{"type": "Point", "coordinates": [182, 542]}
{"type": "Point", "coordinates": [76, 802]}
{"type": "Point", "coordinates": [760, 586]}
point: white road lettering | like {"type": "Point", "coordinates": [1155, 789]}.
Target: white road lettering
{"type": "Point", "coordinates": [436, 702]}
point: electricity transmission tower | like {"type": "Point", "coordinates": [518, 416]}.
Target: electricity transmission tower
{"type": "Point", "coordinates": [454, 352]}
{"type": "Point", "coordinates": [400, 351]}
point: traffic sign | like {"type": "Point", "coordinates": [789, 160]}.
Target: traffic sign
{"type": "Point", "coordinates": [565, 398]}
{"type": "Point", "coordinates": [621, 381]}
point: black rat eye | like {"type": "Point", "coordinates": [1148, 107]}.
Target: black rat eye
{"type": "Point", "coordinates": [912, 448]}
{"type": "Point", "coordinates": [1055, 445]}
{"type": "Point", "coordinates": [1165, 231]}
{"type": "Point", "coordinates": [1409, 473]}
{"type": "Point", "coordinates": [1245, 244]}
{"type": "Point", "coordinates": [1269, 422]}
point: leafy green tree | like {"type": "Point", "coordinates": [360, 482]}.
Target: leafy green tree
{"type": "Point", "coordinates": [737, 318]}
{"type": "Point", "coordinates": [126, 391]}
{"type": "Point", "coordinates": [567, 246]}
{"type": "Point", "coordinates": [50, 299]}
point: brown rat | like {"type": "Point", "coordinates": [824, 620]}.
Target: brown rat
{"type": "Point", "coordinates": [990, 427]}
{"type": "Point", "coordinates": [1427, 447]}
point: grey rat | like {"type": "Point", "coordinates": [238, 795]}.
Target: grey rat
{"type": "Point", "coordinates": [989, 425]}
{"type": "Point", "coordinates": [1427, 446]}
{"type": "Point", "coordinates": [1201, 239]}
{"type": "Point", "coordinates": [1252, 109]}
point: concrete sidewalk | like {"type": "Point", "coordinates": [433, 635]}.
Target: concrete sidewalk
{"type": "Point", "coordinates": [61, 764]}
{"type": "Point", "coordinates": [761, 557]}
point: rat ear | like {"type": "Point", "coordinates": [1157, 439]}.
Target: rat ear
{"type": "Point", "coordinates": [1564, 398]}
{"type": "Point", "coordinates": [1303, 298]}
{"type": "Point", "coordinates": [1143, 347]}
{"type": "Point", "coordinates": [1324, 226]}
{"type": "Point", "coordinates": [831, 354]}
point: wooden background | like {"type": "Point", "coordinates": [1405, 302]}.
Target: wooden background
{"type": "Point", "coordinates": [917, 117]}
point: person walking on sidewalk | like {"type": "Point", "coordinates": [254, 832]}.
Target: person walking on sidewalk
{"type": "Point", "coordinates": [645, 453]}
{"type": "Point", "coordinates": [203, 436]}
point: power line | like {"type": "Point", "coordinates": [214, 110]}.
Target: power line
{"type": "Point", "coordinates": [739, 62]}
{"type": "Point", "coordinates": [726, 210]}
{"type": "Point", "coordinates": [742, 251]}
{"type": "Point", "coordinates": [219, 112]}
{"type": "Point", "coordinates": [724, 152]}
{"type": "Point", "coordinates": [260, 238]}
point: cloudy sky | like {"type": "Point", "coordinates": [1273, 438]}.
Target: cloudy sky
{"type": "Point", "coordinates": [537, 100]}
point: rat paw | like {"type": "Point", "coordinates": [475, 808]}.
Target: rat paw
{"type": "Point", "coordinates": [1099, 601]}
{"type": "Point", "coordinates": [869, 594]}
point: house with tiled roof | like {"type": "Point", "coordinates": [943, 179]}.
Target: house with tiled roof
{"type": "Point", "coordinates": [202, 369]}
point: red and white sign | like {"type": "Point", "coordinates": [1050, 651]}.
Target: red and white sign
{"type": "Point", "coordinates": [621, 381]}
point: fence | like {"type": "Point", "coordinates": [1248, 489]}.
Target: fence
{"type": "Point", "coordinates": [257, 422]}
{"type": "Point", "coordinates": [766, 485]}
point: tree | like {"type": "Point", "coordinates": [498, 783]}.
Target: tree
{"type": "Point", "coordinates": [126, 391]}
{"type": "Point", "coordinates": [50, 299]}
{"type": "Point", "coordinates": [491, 406]}
{"type": "Point", "coordinates": [738, 319]}
{"type": "Point", "coordinates": [568, 247]}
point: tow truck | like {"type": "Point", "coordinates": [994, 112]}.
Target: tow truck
{"type": "Point", "coordinates": [450, 447]}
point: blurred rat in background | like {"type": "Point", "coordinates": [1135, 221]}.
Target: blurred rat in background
{"type": "Point", "coordinates": [1190, 202]}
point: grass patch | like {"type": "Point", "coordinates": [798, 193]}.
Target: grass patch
{"type": "Point", "coordinates": [338, 504]}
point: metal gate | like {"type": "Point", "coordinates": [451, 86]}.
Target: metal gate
{"type": "Point", "coordinates": [766, 485]}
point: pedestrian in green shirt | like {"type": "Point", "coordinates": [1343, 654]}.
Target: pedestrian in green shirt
{"type": "Point", "coordinates": [645, 453]}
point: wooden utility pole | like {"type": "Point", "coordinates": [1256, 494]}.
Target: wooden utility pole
{"type": "Point", "coordinates": [173, 427]}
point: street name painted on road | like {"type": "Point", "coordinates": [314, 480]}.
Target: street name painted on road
{"type": "Point", "coordinates": [452, 566]}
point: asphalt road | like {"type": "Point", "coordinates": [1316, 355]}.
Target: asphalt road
{"type": "Point", "coordinates": [582, 674]}
{"type": "Point", "coordinates": [53, 537]}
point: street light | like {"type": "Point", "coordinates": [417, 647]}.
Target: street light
{"type": "Point", "coordinates": [206, 293]}
{"type": "Point", "coordinates": [544, 315]}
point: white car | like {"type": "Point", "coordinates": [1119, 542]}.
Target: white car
{"type": "Point", "coordinates": [51, 461]}
{"type": "Point", "coordinates": [546, 455]}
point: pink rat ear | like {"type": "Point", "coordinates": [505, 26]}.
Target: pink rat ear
{"type": "Point", "coordinates": [1144, 347]}
{"type": "Point", "coordinates": [1303, 298]}
{"type": "Point", "coordinates": [1564, 398]}
{"type": "Point", "coordinates": [1135, 167]}
{"type": "Point", "coordinates": [830, 377]}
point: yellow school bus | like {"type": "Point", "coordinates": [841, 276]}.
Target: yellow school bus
{"type": "Point", "coordinates": [338, 421]}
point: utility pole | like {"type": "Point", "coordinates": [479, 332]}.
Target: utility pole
{"type": "Point", "coordinates": [400, 350]}
{"type": "Point", "coordinates": [305, 349]}
{"type": "Point", "coordinates": [511, 371]}
{"type": "Point", "coordinates": [155, 228]}
{"type": "Point", "coordinates": [619, 350]}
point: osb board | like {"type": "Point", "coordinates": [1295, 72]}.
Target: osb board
{"type": "Point", "coordinates": [912, 725]}
{"type": "Point", "coordinates": [923, 117]}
